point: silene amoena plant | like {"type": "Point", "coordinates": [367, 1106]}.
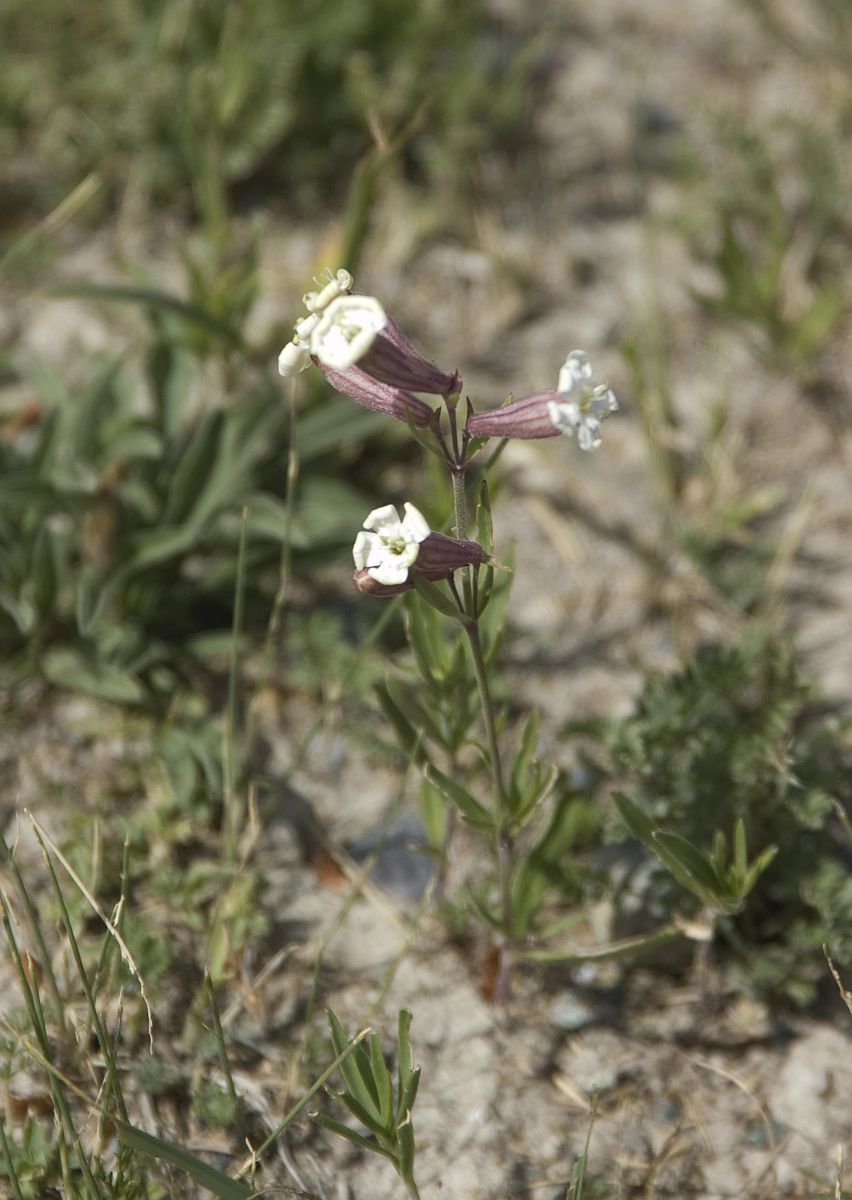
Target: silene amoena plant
{"type": "Point", "coordinates": [364, 354]}
{"type": "Point", "coordinates": [448, 722]}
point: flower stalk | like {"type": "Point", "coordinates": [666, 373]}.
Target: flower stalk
{"type": "Point", "coordinates": [364, 355]}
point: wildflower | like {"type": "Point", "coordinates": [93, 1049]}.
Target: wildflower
{"type": "Point", "coordinates": [583, 403]}
{"type": "Point", "coordinates": [296, 355]}
{"type": "Point", "coordinates": [342, 331]}
{"type": "Point", "coordinates": [389, 548]}
{"type": "Point", "coordinates": [346, 331]}
{"type": "Point", "coordinates": [356, 329]}
{"type": "Point", "coordinates": [578, 405]}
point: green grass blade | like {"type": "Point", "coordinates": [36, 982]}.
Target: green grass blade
{"type": "Point", "coordinates": [213, 1180]}
{"type": "Point", "coordinates": [311, 1092]}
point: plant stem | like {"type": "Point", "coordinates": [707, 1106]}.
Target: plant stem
{"type": "Point", "coordinates": [480, 670]}
{"type": "Point", "coordinates": [504, 846]}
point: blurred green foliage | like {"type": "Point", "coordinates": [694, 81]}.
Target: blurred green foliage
{"type": "Point", "coordinates": [776, 231]}
{"type": "Point", "coordinates": [268, 98]}
{"type": "Point", "coordinates": [120, 498]}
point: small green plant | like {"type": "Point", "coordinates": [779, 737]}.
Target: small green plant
{"type": "Point", "coordinates": [369, 1095]}
{"type": "Point", "coordinates": [734, 742]}
{"type": "Point", "coordinates": [759, 241]}
{"type": "Point", "coordinates": [95, 1147]}
{"type": "Point", "coordinates": [445, 711]}
{"type": "Point", "coordinates": [196, 104]}
{"type": "Point", "coordinates": [119, 519]}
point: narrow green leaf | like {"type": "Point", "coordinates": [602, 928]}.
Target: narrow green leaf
{"type": "Point", "coordinates": [433, 595]}
{"type": "Point", "coordinates": [406, 734]}
{"type": "Point", "coordinates": [92, 594]}
{"type": "Point", "coordinates": [484, 524]}
{"type": "Point", "coordinates": [10, 1163]}
{"type": "Point", "coordinates": [674, 848]}
{"type": "Point", "coordinates": [756, 869]}
{"type": "Point", "coordinates": [425, 633]}
{"type": "Point", "coordinates": [69, 669]}
{"type": "Point", "coordinates": [433, 810]}
{"type": "Point", "coordinates": [356, 1073]}
{"type": "Point", "coordinates": [719, 853]}
{"type": "Point", "coordinates": [624, 948]}
{"type": "Point", "coordinates": [344, 1131]}
{"type": "Point", "coordinates": [418, 716]}
{"type": "Point", "coordinates": [524, 759]}
{"type": "Point", "coordinates": [205, 1176]}
{"type": "Point", "coordinates": [409, 1094]}
{"type": "Point", "coordinates": [639, 825]}
{"type": "Point", "coordinates": [469, 807]}
{"type": "Point", "coordinates": [46, 570]}
{"type": "Point", "coordinates": [335, 422]}
{"type": "Point", "coordinates": [365, 1116]}
{"type": "Point", "coordinates": [194, 468]}
{"type": "Point", "coordinates": [538, 790]}
{"type": "Point", "coordinates": [157, 546]}
{"type": "Point", "coordinates": [291, 1115]}
{"type": "Point", "coordinates": [405, 1142]}
{"type": "Point", "coordinates": [408, 1077]}
{"type": "Point", "coordinates": [151, 298]}
{"type": "Point", "coordinates": [740, 849]}
{"type": "Point", "coordinates": [816, 325]}
{"type": "Point", "coordinates": [382, 1082]}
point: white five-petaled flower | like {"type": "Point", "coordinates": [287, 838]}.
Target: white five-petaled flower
{"type": "Point", "coordinates": [346, 330]}
{"type": "Point", "coordinates": [388, 546]}
{"type": "Point", "coordinates": [583, 403]}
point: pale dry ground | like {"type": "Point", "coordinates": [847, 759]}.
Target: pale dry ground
{"type": "Point", "coordinates": [695, 1099]}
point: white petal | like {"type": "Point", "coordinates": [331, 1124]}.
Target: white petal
{"type": "Point", "coordinates": [389, 572]}
{"type": "Point", "coordinates": [293, 359]}
{"type": "Point", "coordinates": [575, 371]}
{"type": "Point", "coordinates": [305, 326]}
{"type": "Point", "coordinates": [384, 520]}
{"type": "Point", "coordinates": [364, 549]}
{"type": "Point", "coordinates": [588, 435]}
{"type": "Point", "coordinates": [564, 416]}
{"type": "Point", "coordinates": [409, 555]}
{"type": "Point", "coordinates": [346, 331]}
{"type": "Point", "coordinates": [414, 524]}
{"type": "Point", "coordinates": [603, 402]}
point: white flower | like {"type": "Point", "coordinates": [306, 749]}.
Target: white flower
{"type": "Point", "coordinates": [584, 402]}
{"type": "Point", "coordinates": [296, 355]}
{"type": "Point", "coordinates": [388, 546]}
{"type": "Point", "coordinates": [347, 330]}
